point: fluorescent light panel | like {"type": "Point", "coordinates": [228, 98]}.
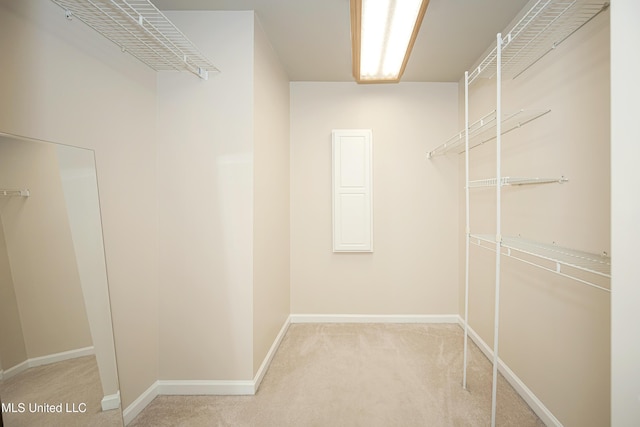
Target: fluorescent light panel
{"type": "Point", "coordinates": [383, 33]}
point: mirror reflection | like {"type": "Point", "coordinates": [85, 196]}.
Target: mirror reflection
{"type": "Point", "coordinates": [57, 357]}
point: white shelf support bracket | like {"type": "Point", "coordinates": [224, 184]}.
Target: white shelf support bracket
{"type": "Point", "coordinates": [203, 74]}
{"type": "Point", "coordinates": [68, 14]}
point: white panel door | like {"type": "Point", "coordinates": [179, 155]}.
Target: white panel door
{"type": "Point", "coordinates": [352, 190]}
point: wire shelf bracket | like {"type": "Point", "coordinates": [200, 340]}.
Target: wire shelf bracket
{"type": "Point", "coordinates": [140, 29]}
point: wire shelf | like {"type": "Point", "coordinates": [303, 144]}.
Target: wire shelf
{"type": "Point", "coordinates": [599, 265]}
{"type": "Point", "coordinates": [510, 180]}
{"type": "Point", "coordinates": [483, 130]}
{"type": "Point", "coordinates": [16, 193]}
{"type": "Point", "coordinates": [531, 36]}
{"type": "Point", "coordinates": [140, 29]}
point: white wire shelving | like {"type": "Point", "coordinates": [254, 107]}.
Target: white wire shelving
{"type": "Point", "coordinates": [140, 29]}
{"type": "Point", "coordinates": [538, 29]}
{"type": "Point", "coordinates": [535, 33]}
{"type": "Point", "coordinates": [483, 130]}
{"type": "Point", "coordinates": [15, 193]}
{"type": "Point", "coordinates": [512, 180]}
{"type": "Point", "coordinates": [542, 253]}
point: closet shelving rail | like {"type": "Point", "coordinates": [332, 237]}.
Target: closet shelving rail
{"type": "Point", "coordinates": [599, 265]}
{"type": "Point", "coordinates": [538, 31]}
{"type": "Point", "coordinates": [15, 193]}
{"type": "Point", "coordinates": [483, 130]}
{"type": "Point", "coordinates": [140, 29]}
{"type": "Point", "coordinates": [541, 26]}
{"type": "Point", "coordinates": [511, 180]}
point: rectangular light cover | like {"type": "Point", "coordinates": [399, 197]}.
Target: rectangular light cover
{"type": "Point", "coordinates": [383, 33]}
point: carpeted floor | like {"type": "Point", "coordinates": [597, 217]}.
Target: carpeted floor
{"type": "Point", "coordinates": [70, 383]}
{"type": "Point", "coordinates": [331, 375]}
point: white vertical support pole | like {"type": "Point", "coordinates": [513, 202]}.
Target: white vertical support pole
{"type": "Point", "coordinates": [467, 229]}
{"type": "Point", "coordinates": [496, 320]}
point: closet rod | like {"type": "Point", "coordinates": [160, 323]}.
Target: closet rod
{"type": "Point", "coordinates": [19, 193]}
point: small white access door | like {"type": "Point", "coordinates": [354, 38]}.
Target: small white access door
{"type": "Point", "coordinates": [352, 190]}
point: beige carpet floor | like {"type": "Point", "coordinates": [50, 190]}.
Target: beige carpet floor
{"type": "Point", "coordinates": [331, 375]}
{"type": "Point", "coordinates": [71, 382]}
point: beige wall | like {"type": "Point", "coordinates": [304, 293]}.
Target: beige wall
{"type": "Point", "coordinates": [224, 223]}
{"type": "Point", "coordinates": [63, 82]}
{"type": "Point", "coordinates": [205, 171]}
{"type": "Point", "coordinates": [413, 269]}
{"type": "Point", "coordinates": [625, 151]}
{"type": "Point", "coordinates": [554, 332]}
{"type": "Point", "coordinates": [12, 350]}
{"type": "Point", "coordinates": [271, 197]}
{"type": "Point", "coordinates": [40, 250]}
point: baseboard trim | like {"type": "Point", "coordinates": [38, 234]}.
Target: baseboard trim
{"type": "Point", "coordinates": [205, 387]}
{"type": "Point", "coordinates": [59, 357]}
{"type": "Point", "coordinates": [260, 373]}
{"type": "Point", "coordinates": [374, 318]}
{"type": "Point", "coordinates": [46, 360]}
{"type": "Point", "coordinates": [132, 411]}
{"type": "Point", "coordinates": [249, 387]}
{"type": "Point", "coordinates": [532, 400]}
{"type": "Point", "coordinates": [15, 370]}
{"type": "Point", "coordinates": [111, 401]}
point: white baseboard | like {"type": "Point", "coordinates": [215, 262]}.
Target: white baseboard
{"type": "Point", "coordinates": [15, 370]}
{"type": "Point", "coordinates": [257, 380]}
{"type": "Point", "coordinates": [374, 318]}
{"type": "Point", "coordinates": [205, 387]}
{"type": "Point", "coordinates": [59, 357]}
{"type": "Point", "coordinates": [46, 360]}
{"type": "Point", "coordinates": [532, 400]}
{"type": "Point", "coordinates": [249, 387]}
{"type": "Point", "coordinates": [132, 411]}
{"type": "Point", "coordinates": [111, 401]}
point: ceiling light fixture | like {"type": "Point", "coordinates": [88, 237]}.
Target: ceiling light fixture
{"type": "Point", "coordinates": [382, 35]}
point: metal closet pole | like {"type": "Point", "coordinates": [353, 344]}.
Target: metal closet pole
{"type": "Point", "coordinates": [496, 321]}
{"type": "Point", "coordinates": [467, 229]}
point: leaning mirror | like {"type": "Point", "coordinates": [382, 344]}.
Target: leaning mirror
{"type": "Point", "coordinates": [57, 356]}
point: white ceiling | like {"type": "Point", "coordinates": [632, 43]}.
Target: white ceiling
{"type": "Point", "coordinates": [312, 37]}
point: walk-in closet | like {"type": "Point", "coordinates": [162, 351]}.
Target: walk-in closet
{"type": "Point", "coordinates": [267, 213]}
